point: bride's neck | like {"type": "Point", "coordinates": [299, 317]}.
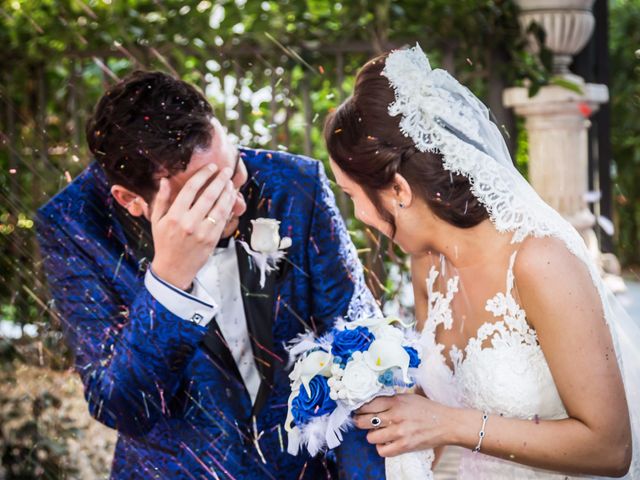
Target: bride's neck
{"type": "Point", "coordinates": [466, 247]}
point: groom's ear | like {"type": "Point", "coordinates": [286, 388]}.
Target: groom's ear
{"type": "Point", "coordinates": [132, 202]}
{"type": "Point", "coordinates": [402, 192]}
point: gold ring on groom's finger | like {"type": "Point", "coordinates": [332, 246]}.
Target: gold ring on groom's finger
{"type": "Point", "coordinates": [212, 220]}
{"type": "Point", "coordinates": [376, 422]}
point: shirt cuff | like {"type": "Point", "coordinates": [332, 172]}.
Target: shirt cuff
{"type": "Point", "coordinates": [198, 309]}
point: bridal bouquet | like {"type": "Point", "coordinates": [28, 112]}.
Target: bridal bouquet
{"type": "Point", "coordinates": [339, 372]}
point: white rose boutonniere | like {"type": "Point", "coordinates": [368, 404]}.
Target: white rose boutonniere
{"type": "Point", "coordinates": [265, 237]}
{"type": "Point", "coordinates": [267, 248]}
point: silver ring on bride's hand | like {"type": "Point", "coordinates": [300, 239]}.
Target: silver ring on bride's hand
{"type": "Point", "coordinates": [212, 220]}
{"type": "Point", "coordinates": [376, 422]}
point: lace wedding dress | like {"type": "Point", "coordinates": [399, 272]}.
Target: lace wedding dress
{"type": "Point", "coordinates": [502, 369]}
{"type": "Point", "coordinates": [508, 377]}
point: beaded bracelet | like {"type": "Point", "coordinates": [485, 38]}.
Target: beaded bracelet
{"type": "Point", "coordinates": [485, 417]}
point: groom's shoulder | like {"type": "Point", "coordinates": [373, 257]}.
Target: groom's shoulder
{"type": "Point", "coordinates": [272, 164]}
{"type": "Point", "coordinates": [79, 194]}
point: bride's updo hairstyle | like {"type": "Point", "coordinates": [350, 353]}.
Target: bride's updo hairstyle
{"type": "Point", "coordinates": [367, 144]}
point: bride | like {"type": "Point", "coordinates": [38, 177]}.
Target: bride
{"type": "Point", "coordinates": [526, 356]}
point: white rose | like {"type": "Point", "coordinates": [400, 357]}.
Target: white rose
{"type": "Point", "coordinates": [359, 383]}
{"type": "Point", "coordinates": [265, 237]}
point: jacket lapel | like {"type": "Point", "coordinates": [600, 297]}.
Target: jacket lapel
{"type": "Point", "coordinates": [258, 302]}
{"type": "Point", "coordinates": [258, 309]}
{"type": "Point", "coordinates": [219, 352]}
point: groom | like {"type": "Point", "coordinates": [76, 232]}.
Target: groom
{"type": "Point", "coordinates": [178, 345]}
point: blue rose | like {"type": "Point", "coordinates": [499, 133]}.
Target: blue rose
{"type": "Point", "coordinates": [306, 406]}
{"type": "Point", "coordinates": [345, 342]}
{"type": "Point", "coordinates": [414, 358]}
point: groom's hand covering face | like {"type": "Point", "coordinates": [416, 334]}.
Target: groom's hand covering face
{"type": "Point", "coordinates": [193, 209]}
{"type": "Point", "coordinates": [224, 154]}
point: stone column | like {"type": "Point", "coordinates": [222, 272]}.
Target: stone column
{"type": "Point", "coordinates": [557, 121]}
{"type": "Point", "coordinates": [557, 125]}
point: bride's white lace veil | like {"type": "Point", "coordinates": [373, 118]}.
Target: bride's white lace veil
{"type": "Point", "coordinates": [440, 115]}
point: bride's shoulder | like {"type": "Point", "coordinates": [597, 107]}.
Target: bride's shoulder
{"type": "Point", "coordinates": [544, 255]}
{"type": "Point", "coordinates": [545, 269]}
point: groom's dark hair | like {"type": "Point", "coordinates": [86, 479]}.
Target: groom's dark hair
{"type": "Point", "coordinates": [148, 124]}
{"type": "Point", "coordinates": [368, 145]}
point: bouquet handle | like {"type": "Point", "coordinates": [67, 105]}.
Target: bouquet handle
{"type": "Point", "coordinates": [410, 466]}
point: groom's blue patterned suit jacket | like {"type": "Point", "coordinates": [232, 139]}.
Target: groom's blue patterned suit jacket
{"type": "Point", "coordinates": [170, 386]}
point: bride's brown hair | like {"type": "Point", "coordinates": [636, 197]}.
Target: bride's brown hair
{"type": "Point", "coordinates": [367, 144]}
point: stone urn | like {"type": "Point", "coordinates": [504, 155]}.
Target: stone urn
{"type": "Point", "coordinates": [568, 25]}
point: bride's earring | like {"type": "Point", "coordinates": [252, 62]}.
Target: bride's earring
{"type": "Point", "coordinates": [396, 188]}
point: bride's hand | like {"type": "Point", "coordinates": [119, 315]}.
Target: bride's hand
{"type": "Point", "coordinates": [409, 422]}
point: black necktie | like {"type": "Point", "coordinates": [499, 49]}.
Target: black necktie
{"type": "Point", "coordinates": [223, 242]}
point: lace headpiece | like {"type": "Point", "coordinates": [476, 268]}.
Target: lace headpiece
{"type": "Point", "coordinates": [430, 101]}
{"type": "Point", "coordinates": [440, 115]}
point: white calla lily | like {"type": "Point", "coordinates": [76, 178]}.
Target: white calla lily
{"type": "Point", "coordinates": [315, 363]}
{"type": "Point", "coordinates": [374, 323]}
{"type": "Point", "coordinates": [288, 424]}
{"type": "Point", "coordinates": [388, 332]}
{"type": "Point", "coordinates": [385, 354]}
{"type": "Point", "coordinates": [371, 322]}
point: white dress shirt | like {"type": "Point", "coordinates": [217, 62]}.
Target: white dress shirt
{"type": "Point", "coordinates": [216, 293]}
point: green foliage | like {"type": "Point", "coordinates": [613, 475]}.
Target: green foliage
{"type": "Point", "coordinates": [58, 57]}
{"type": "Point", "coordinates": [625, 130]}
{"type": "Point", "coordinates": [479, 36]}
{"type": "Point", "coordinates": [522, 149]}
{"type": "Point", "coordinates": [565, 83]}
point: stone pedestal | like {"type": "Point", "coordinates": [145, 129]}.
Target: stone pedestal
{"type": "Point", "coordinates": [557, 123]}
{"type": "Point", "coordinates": [567, 23]}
